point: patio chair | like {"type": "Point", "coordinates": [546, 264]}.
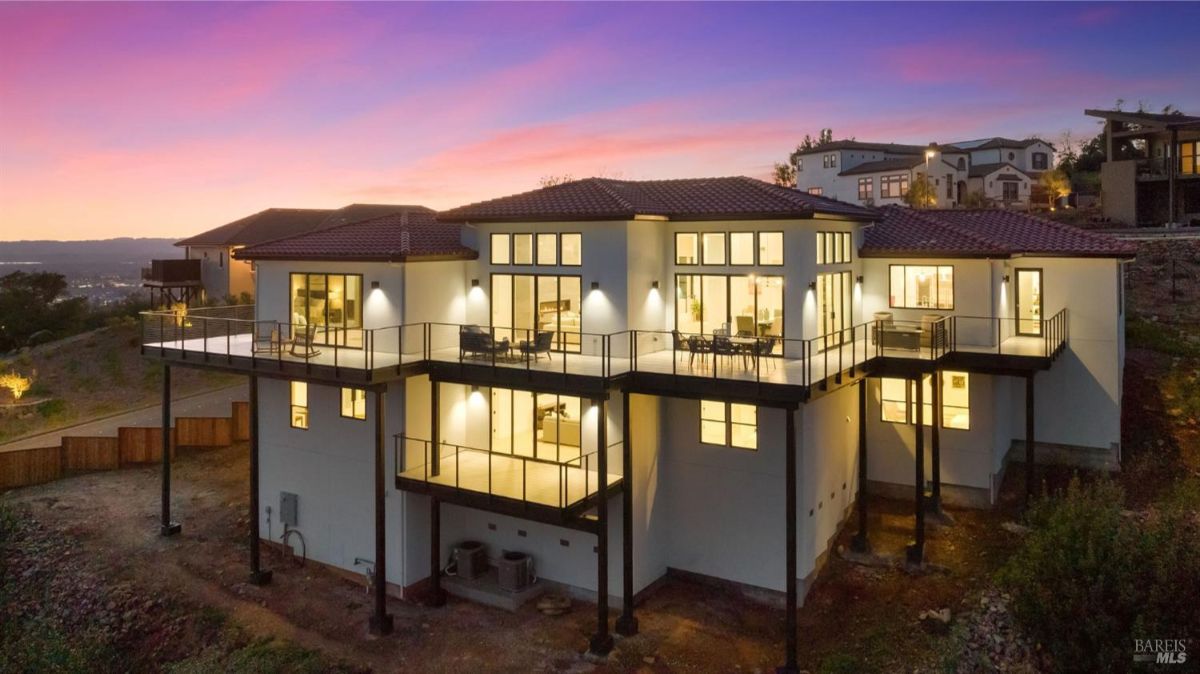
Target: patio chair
{"type": "Point", "coordinates": [474, 341]}
{"type": "Point", "coordinates": [722, 346]}
{"type": "Point", "coordinates": [700, 346]}
{"type": "Point", "coordinates": [745, 326]}
{"type": "Point", "coordinates": [540, 344]}
{"type": "Point", "coordinates": [302, 343]}
{"type": "Point", "coordinates": [266, 338]}
{"type": "Point", "coordinates": [765, 346]}
{"type": "Point", "coordinates": [679, 344]}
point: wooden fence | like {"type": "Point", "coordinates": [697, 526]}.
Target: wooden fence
{"type": "Point", "coordinates": [133, 445]}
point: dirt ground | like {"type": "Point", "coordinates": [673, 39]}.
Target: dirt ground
{"type": "Point", "coordinates": [684, 627]}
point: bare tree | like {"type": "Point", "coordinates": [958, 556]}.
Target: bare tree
{"type": "Point", "coordinates": [552, 180]}
{"type": "Point", "coordinates": [785, 174]}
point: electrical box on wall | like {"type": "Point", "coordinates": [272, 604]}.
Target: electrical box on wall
{"type": "Point", "coordinates": [289, 508]}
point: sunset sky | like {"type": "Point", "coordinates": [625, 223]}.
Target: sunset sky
{"type": "Point", "coordinates": [169, 119]}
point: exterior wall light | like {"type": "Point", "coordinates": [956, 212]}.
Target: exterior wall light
{"type": "Point", "coordinates": [1006, 278]}
{"type": "Point", "coordinates": [812, 285]}
{"type": "Point", "coordinates": [859, 278]}
{"type": "Point", "coordinates": [374, 285]}
{"type": "Point", "coordinates": [654, 284]}
{"type": "Point", "coordinates": [474, 283]}
{"type": "Point", "coordinates": [595, 285]}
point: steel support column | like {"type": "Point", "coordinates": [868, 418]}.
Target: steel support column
{"type": "Point", "coordinates": [258, 576]}
{"type": "Point", "coordinates": [166, 526]}
{"type": "Point", "coordinates": [916, 550]}
{"type": "Point", "coordinates": [860, 542]}
{"type": "Point", "coordinates": [1030, 440]}
{"type": "Point", "coordinates": [437, 597]}
{"type": "Point", "coordinates": [791, 661]}
{"type": "Point", "coordinates": [602, 642]}
{"type": "Point", "coordinates": [935, 492]}
{"type": "Point", "coordinates": [435, 458]}
{"type": "Point", "coordinates": [381, 622]}
{"type": "Point", "coordinates": [627, 624]}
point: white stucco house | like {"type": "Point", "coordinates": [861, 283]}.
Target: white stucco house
{"type": "Point", "coordinates": [1002, 170]}
{"type": "Point", "coordinates": [626, 380]}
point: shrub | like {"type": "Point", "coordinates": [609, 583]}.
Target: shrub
{"type": "Point", "coordinates": [52, 408]}
{"type": "Point", "coordinates": [1090, 578]}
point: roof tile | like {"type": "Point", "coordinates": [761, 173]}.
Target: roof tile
{"type": "Point", "coordinates": [411, 234]}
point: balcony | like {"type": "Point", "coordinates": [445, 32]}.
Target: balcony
{"type": "Point", "coordinates": [668, 363]}
{"type": "Point", "coordinates": [553, 491]}
{"type": "Point", "coordinates": [171, 273]}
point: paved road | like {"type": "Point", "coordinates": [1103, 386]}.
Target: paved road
{"type": "Point", "coordinates": [212, 404]}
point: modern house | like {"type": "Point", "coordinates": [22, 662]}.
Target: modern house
{"type": "Point", "coordinates": [1152, 170]}
{"type": "Point", "coordinates": [1002, 170]}
{"type": "Point", "coordinates": [222, 275]}
{"type": "Point", "coordinates": [621, 380]}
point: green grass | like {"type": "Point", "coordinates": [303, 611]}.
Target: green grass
{"type": "Point", "coordinates": [259, 656]}
{"type": "Point", "coordinates": [1141, 333]}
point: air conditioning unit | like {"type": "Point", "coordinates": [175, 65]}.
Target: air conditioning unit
{"type": "Point", "coordinates": [515, 570]}
{"type": "Point", "coordinates": [470, 559]}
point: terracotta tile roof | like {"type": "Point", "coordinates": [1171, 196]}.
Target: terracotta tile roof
{"type": "Point", "coordinates": [687, 199]}
{"type": "Point", "coordinates": [411, 234]}
{"type": "Point", "coordinates": [906, 232]}
{"type": "Point", "coordinates": [272, 223]}
{"type": "Point", "coordinates": [277, 223]}
{"type": "Point", "coordinates": [897, 164]}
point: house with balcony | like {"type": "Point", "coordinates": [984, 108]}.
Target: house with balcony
{"type": "Point", "coordinates": [614, 381]}
{"type": "Point", "coordinates": [1151, 173]}
{"type": "Point", "coordinates": [1002, 170]}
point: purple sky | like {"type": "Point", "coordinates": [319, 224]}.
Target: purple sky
{"type": "Point", "coordinates": [168, 119]}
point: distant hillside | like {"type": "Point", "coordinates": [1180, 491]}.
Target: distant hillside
{"type": "Point", "coordinates": [126, 255]}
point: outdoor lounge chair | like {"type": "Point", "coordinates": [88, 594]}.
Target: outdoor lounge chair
{"type": "Point", "coordinates": [266, 338]}
{"type": "Point", "coordinates": [474, 341]}
{"type": "Point", "coordinates": [302, 343]}
{"type": "Point", "coordinates": [678, 344]}
{"type": "Point", "coordinates": [539, 345]}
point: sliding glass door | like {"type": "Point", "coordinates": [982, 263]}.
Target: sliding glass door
{"type": "Point", "coordinates": [833, 307]}
{"type": "Point", "coordinates": [543, 426]}
{"type": "Point", "coordinates": [751, 306]}
{"type": "Point", "coordinates": [330, 302]}
{"type": "Point", "coordinates": [525, 304]}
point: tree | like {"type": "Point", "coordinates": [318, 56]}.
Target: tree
{"type": "Point", "coordinates": [785, 174]}
{"type": "Point", "coordinates": [824, 137]}
{"type": "Point", "coordinates": [1056, 184]}
{"type": "Point", "coordinates": [1068, 152]}
{"type": "Point", "coordinates": [35, 302]}
{"type": "Point", "coordinates": [922, 193]}
{"type": "Point", "coordinates": [16, 384]}
{"type": "Point", "coordinates": [552, 180]}
{"type": "Point", "coordinates": [975, 199]}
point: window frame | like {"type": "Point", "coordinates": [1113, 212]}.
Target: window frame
{"type": "Point", "coordinates": [753, 249]}
{"type": "Point", "coordinates": [869, 183]}
{"type": "Point", "coordinates": [508, 251]}
{"type": "Point", "coordinates": [561, 261]}
{"type": "Point", "coordinates": [910, 401]}
{"type": "Point", "coordinates": [532, 249]}
{"type": "Point", "coordinates": [354, 414]}
{"type": "Point", "coordinates": [782, 249]}
{"type": "Point", "coordinates": [539, 247]}
{"type": "Point", "coordinates": [904, 294]}
{"type": "Point", "coordinates": [695, 249]}
{"type": "Point", "coordinates": [361, 308]}
{"type": "Point", "coordinates": [727, 423]}
{"type": "Point", "coordinates": [724, 249]}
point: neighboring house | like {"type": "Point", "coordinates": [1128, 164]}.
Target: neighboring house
{"type": "Point", "coordinates": [1152, 172]}
{"type": "Point", "coordinates": [1001, 183]}
{"type": "Point", "coordinates": [879, 174]}
{"type": "Point", "coordinates": [222, 275]}
{"type": "Point", "coordinates": [629, 379]}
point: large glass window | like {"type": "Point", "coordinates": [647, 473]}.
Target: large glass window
{"type": "Point", "coordinates": [834, 247]}
{"type": "Point", "coordinates": [572, 250]}
{"type": "Point", "coordinates": [500, 252]}
{"type": "Point", "coordinates": [1189, 158]}
{"type": "Point", "coordinates": [921, 286]}
{"type": "Point", "coordinates": [751, 305]}
{"type": "Point", "coordinates": [713, 244]}
{"type": "Point", "coordinates": [687, 248]}
{"type": "Point", "coordinates": [893, 187]}
{"type": "Point", "coordinates": [770, 248]}
{"type": "Point", "coordinates": [522, 249]}
{"type": "Point", "coordinates": [299, 404]}
{"type": "Point", "coordinates": [898, 400]}
{"type": "Point", "coordinates": [741, 248]}
{"type": "Point", "coordinates": [728, 424]}
{"type": "Point", "coordinates": [330, 302]}
{"type": "Point", "coordinates": [547, 249]}
{"type": "Point", "coordinates": [543, 426]}
{"type": "Point", "coordinates": [354, 403]}
{"type": "Point", "coordinates": [525, 304]}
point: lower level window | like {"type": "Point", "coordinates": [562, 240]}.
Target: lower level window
{"type": "Point", "coordinates": [729, 424]}
{"type": "Point", "coordinates": [299, 404]}
{"type": "Point", "coordinates": [898, 400]}
{"type": "Point", "coordinates": [354, 403]}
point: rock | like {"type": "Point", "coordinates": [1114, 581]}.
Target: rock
{"type": "Point", "coordinates": [649, 659]}
{"type": "Point", "coordinates": [1014, 528]}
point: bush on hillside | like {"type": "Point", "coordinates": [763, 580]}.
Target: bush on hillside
{"type": "Point", "coordinates": [1092, 577]}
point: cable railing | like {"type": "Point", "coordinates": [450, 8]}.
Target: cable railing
{"type": "Point", "coordinates": [510, 475]}
{"type": "Point", "coordinates": [1036, 337]}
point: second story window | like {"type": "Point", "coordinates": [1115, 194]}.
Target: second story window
{"type": "Point", "coordinates": [522, 248]}
{"type": "Point", "coordinates": [1040, 161]}
{"type": "Point", "coordinates": [500, 249]}
{"type": "Point", "coordinates": [816, 191]}
{"type": "Point", "coordinates": [829, 160]}
{"type": "Point", "coordinates": [921, 286]}
{"type": "Point", "coordinates": [741, 248]}
{"type": "Point", "coordinates": [687, 248]}
{"type": "Point", "coordinates": [728, 424]}
{"type": "Point", "coordinates": [770, 248]}
{"type": "Point", "coordinates": [893, 187]}
{"type": "Point", "coordinates": [572, 250]}
{"type": "Point", "coordinates": [834, 248]}
{"type": "Point", "coordinates": [866, 188]}
{"type": "Point", "coordinates": [713, 244]}
{"type": "Point", "coordinates": [299, 405]}
{"type": "Point", "coordinates": [799, 165]}
{"type": "Point", "coordinates": [354, 403]}
{"type": "Point", "coordinates": [547, 250]}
